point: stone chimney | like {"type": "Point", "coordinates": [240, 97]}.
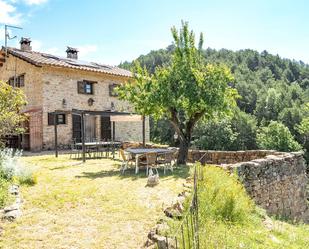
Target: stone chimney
{"type": "Point", "coordinates": [25, 44]}
{"type": "Point", "coordinates": [72, 53]}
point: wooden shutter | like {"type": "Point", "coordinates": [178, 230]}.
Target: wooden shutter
{"type": "Point", "coordinates": [80, 87]}
{"type": "Point", "coordinates": [21, 80]}
{"type": "Point", "coordinates": [50, 119]}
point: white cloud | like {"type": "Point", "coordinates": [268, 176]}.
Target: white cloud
{"type": "Point", "coordinates": [85, 50]}
{"type": "Point", "coordinates": [8, 14]}
{"type": "Point", "coordinates": [34, 2]}
{"type": "Point", "coordinates": [36, 45]}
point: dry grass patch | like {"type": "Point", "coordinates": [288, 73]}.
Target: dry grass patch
{"type": "Point", "coordinates": [88, 205]}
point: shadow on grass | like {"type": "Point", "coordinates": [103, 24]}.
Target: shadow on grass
{"type": "Point", "coordinates": [178, 172]}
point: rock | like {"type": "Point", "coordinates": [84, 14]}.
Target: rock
{"type": "Point", "coordinates": [12, 215]}
{"type": "Point", "coordinates": [11, 208]}
{"type": "Point", "coordinates": [172, 213]}
{"type": "Point", "coordinates": [161, 228]}
{"type": "Point", "coordinates": [14, 189]}
{"type": "Point", "coordinates": [161, 242]}
{"type": "Point", "coordinates": [152, 233]}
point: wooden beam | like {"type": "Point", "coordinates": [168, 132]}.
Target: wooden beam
{"type": "Point", "coordinates": [56, 135]}
{"type": "Point", "coordinates": [126, 118]}
{"type": "Point", "coordinates": [83, 137]}
{"type": "Point", "coordinates": [144, 132]}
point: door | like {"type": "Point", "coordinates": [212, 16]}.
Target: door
{"type": "Point", "coordinates": [90, 128]}
{"type": "Point", "coordinates": [106, 129]}
{"type": "Point", "coordinates": [77, 128]}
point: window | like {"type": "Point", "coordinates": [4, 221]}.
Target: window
{"type": "Point", "coordinates": [19, 81]}
{"type": "Point", "coordinates": [61, 119]}
{"type": "Point", "coordinates": [112, 92]}
{"type": "Point", "coordinates": [85, 87]}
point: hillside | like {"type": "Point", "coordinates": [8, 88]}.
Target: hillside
{"type": "Point", "coordinates": [271, 89]}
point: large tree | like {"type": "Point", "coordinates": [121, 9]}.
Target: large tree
{"type": "Point", "coordinates": [184, 91]}
{"type": "Point", "coordinates": [11, 102]}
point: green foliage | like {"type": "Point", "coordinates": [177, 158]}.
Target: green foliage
{"type": "Point", "coordinates": [223, 198]}
{"type": "Point", "coordinates": [184, 91]}
{"type": "Point", "coordinates": [11, 102]}
{"type": "Point", "coordinates": [237, 132]}
{"type": "Point", "coordinates": [26, 177]}
{"type": "Point", "coordinates": [12, 170]}
{"type": "Point", "coordinates": [4, 196]}
{"type": "Point", "coordinates": [278, 137]}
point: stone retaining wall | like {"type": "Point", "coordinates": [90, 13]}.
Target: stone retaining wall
{"type": "Point", "coordinates": [277, 181]}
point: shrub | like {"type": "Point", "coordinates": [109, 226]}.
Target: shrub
{"type": "Point", "coordinates": [26, 177]}
{"type": "Point", "coordinates": [12, 170]}
{"type": "Point", "coordinates": [222, 197]}
{"type": "Point", "coordinates": [276, 136]}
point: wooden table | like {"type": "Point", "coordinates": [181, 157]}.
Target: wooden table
{"type": "Point", "coordinates": [137, 152]}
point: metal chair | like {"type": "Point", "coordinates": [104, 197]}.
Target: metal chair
{"type": "Point", "coordinates": [151, 161]}
{"type": "Point", "coordinates": [167, 160]}
{"type": "Point", "coordinates": [126, 159]}
{"type": "Point", "coordinates": [74, 149]}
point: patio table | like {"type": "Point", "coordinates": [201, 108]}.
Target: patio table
{"type": "Point", "coordinates": [137, 152]}
{"type": "Point", "coordinates": [101, 143]}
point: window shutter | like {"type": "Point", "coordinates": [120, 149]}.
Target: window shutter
{"type": "Point", "coordinates": [22, 80]}
{"type": "Point", "coordinates": [80, 87]}
{"type": "Point", "coordinates": [50, 119]}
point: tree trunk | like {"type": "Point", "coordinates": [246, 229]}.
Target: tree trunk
{"type": "Point", "coordinates": [183, 152]}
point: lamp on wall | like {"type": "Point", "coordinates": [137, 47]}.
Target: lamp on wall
{"type": "Point", "coordinates": [64, 103]}
{"type": "Point", "coordinates": [112, 106]}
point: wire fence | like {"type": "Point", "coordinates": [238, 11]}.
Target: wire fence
{"type": "Point", "coordinates": [187, 233]}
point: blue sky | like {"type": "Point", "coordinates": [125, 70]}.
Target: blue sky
{"type": "Point", "coordinates": [113, 31]}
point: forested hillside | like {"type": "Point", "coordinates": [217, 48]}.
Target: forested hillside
{"type": "Point", "coordinates": [272, 111]}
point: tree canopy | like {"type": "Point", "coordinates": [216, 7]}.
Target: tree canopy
{"type": "Point", "coordinates": [271, 88]}
{"type": "Point", "coordinates": [184, 90]}
{"type": "Point", "coordinates": [11, 102]}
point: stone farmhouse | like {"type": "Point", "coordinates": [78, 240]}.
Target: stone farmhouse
{"type": "Point", "coordinates": [52, 83]}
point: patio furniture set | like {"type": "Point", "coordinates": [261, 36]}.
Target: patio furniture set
{"type": "Point", "coordinates": [150, 158]}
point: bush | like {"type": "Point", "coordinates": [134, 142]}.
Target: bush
{"type": "Point", "coordinates": [26, 177]}
{"type": "Point", "coordinates": [12, 170]}
{"type": "Point", "coordinates": [223, 198]}
{"type": "Point", "coordinates": [276, 136]}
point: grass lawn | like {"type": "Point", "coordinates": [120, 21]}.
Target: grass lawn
{"type": "Point", "coordinates": [89, 205]}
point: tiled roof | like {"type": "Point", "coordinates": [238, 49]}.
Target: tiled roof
{"type": "Point", "coordinates": [40, 59]}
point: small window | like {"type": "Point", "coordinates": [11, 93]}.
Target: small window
{"type": "Point", "coordinates": [61, 119]}
{"type": "Point", "coordinates": [18, 82]}
{"type": "Point", "coordinates": [112, 91]}
{"type": "Point", "coordinates": [85, 87]}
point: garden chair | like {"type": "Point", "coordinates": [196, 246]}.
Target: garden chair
{"type": "Point", "coordinates": [167, 160]}
{"type": "Point", "coordinates": [151, 161]}
{"type": "Point", "coordinates": [126, 159]}
{"type": "Point", "coordinates": [74, 150]}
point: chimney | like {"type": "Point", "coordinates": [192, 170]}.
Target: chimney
{"type": "Point", "coordinates": [72, 53]}
{"type": "Point", "coordinates": [25, 44]}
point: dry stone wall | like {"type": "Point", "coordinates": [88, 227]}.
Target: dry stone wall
{"type": "Point", "coordinates": [276, 181]}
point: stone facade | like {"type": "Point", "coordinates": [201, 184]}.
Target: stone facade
{"type": "Point", "coordinates": [277, 181]}
{"type": "Point", "coordinates": [46, 87]}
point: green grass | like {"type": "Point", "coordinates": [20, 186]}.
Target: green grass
{"type": "Point", "coordinates": [229, 219]}
{"type": "Point", "coordinates": [91, 205]}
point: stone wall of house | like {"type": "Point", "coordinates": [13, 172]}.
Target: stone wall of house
{"type": "Point", "coordinates": [33, 79]}
{"type": "Point", "coordinates": [276, 181]}
{"type": "Point", "coordinates": [61, 83]}
{"type": "Point", "coordinates": [33, 91]}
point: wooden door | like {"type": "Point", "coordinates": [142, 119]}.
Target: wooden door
{"type": "Point", "coordinates": [106, 128]}
{"type": "Point", "coordinates": [90, 128]}
{"type": "Point", "coordinates": [77, 128]}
